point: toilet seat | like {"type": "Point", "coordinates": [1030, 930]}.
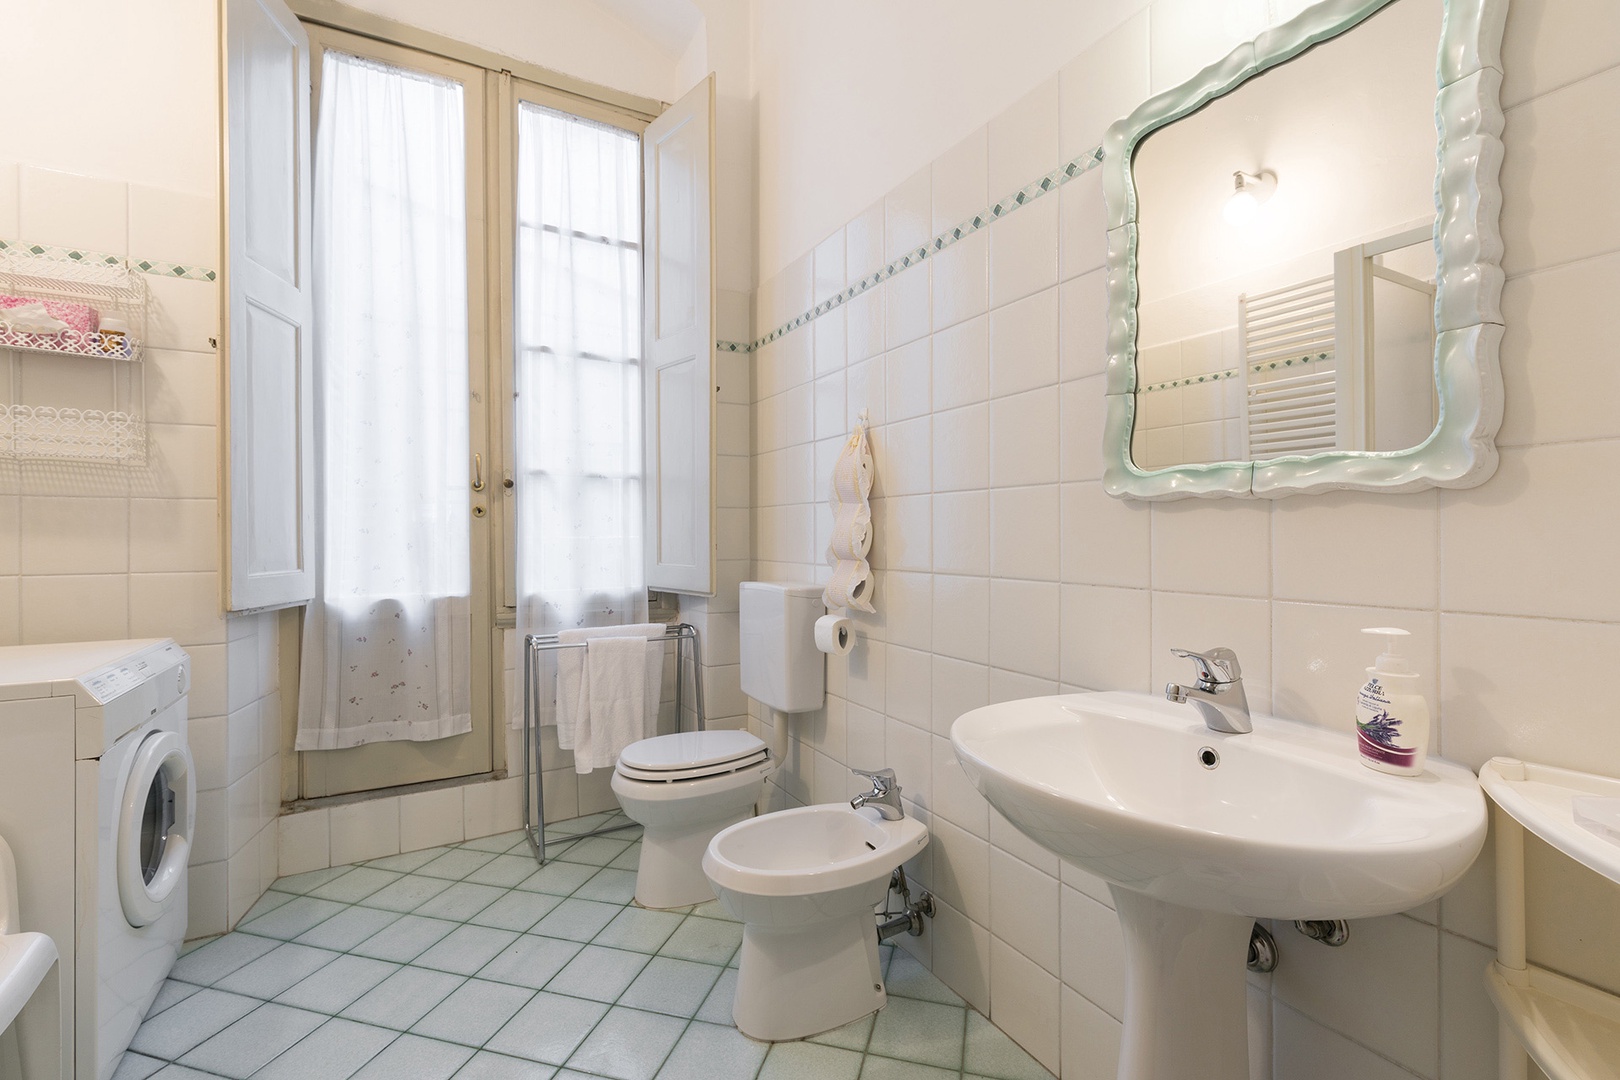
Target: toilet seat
{"type": "Point", "coordinates": [690, 755]}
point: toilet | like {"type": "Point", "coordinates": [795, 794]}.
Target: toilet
{"type": "Point", "coordinates": [683, 789]}
{"type": "Point", "coordinates": [804, 882]}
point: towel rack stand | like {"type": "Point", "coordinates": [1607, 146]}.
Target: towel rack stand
{"type": "Point", "coordinates": [685, 636]}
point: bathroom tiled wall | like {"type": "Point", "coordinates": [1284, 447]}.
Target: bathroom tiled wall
{"type": "Point", "coordinates": [1004, 570]}
{"type": "Point", "coordinates": [89, 552]}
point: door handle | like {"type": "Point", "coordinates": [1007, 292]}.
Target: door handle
{"type": "Point", "coordinates": [478, 472]}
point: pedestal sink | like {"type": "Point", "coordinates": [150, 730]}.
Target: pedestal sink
{"type": "Point", "coordinates": [1199, 833]}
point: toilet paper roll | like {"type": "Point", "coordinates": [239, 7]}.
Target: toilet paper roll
{"type": "Point", "coordinates": [835, 635]}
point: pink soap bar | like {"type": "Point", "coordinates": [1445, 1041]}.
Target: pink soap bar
{"type": "Point", "coordinates": [80, 317]}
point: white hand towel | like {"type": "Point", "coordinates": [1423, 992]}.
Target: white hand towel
{"type": "Point", "coordinates": [616, 698]}
{"type": "Point", "coordinates": [572, 713]}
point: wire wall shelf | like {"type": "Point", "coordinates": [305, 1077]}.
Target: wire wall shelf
{"type": "Point", "coordinates": [78, 393]}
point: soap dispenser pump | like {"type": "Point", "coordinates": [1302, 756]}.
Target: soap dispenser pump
{"type": "Point", "coordinates": [1392, 719]}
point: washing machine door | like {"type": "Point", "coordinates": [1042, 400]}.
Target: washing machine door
{"type": "Point", "coordinates": [155, 822]}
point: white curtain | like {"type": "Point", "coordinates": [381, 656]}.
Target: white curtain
{"type": "Point", "coordinates": [578, 481]}
{"type": "Point", "coordinates": [387, 639]}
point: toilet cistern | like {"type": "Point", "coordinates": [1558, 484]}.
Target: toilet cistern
{"type": "Point", "coordinates": [1218, 695]}
{"type": "Point", "coordinates": [884, 796]}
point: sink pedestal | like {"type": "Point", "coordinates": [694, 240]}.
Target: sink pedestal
{"type": "Point", "coordinates": [1186, 994]}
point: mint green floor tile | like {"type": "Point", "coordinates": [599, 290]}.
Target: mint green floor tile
{"type": "Point", "coordinates": [921, 1031]}
{"type": "Point", "coordinates": [714, 909]}
{"type": "Point", "coordinates": [170, 993]}
{"type": "Point", "coordinates": [461, 901]}
{"type": "Point", "coordinates": [268, 902]}
{"type": "Point", "coordinates": [334, 1051]}
{"type": "Point", "coordinates": [499, 843]}
{"type": "Point", "coordinates": [299, 884]}
{"type": "Point", "coordinates": [558, 878]}
{"type": "Point", "coordinates": [276, 970]}
{"type": "Point", "coordinates": [136, 1067]}
{"type": "Point", "coordinates": [908, 978]}
{"type": "Point", "coordinates": [531, 961]}
{"type": "Point", "coordinates": [576, 920]}
{"type": "Point", "coordinates": [403, 998]}
{"type": "Point", "coordinates": [407, 894]}
{"type": "Point", "coordinates": [190, 1023]}
{"type": "Point", "coordinates": [338, 985]}
{"type": "Point", "coordinates": [809, 1061]}
{"type": "Point", "coordinates": [628, 1045]}
{"type": "Point", "coordinates": [252, 1042]}
{"type": "Point", "coordinates": [609, 886]}
{"type": "Point", "coordinates": [597, 973]}
{"type": "Point", "coordinates": [220, 957]}
{"type": "Point", "coordinates": [455, 864]}
{"type": "Point", "coordinates": [411, 1057]}
{"type": "Point", "coordinates": [348, 928]}
{"type": "Point", "coordinates": [667, 985]}
{"type": "Point", "coordinates": [487, 1066]}
{"type": "Point", "coordinates": [991, 1052]}
{"type": "Point", "coordinates": [597, 851]}
{"type": "Point", "coordinates": [708, 941]}
{"type": "Point", "coordinates": [639, 929]}
{"type": "Point", "coordinates": [182, 1072]}
{"type": "Point", "coordinates": [710, 1052]}
{"type": "Point", "coordinates": [504, 871]}
{"type": "Point", "coordinates": [466, 949]}
{"type": "Point", "coordinates": [852, 1036]}
{"type": "Point", "coordinates": [628, 859]}
{"type": "Point", "coordinates": [292, 918]}
{"type": "Point", "coordinates": [881, 1068]}
{"type": "Point", "coordinates": [407, 861]}
{"type": "Point", "coordinates": [718, 1005]}
{"type": "Point", "coordinates": [548, 1029]}
{"type": "Point", "coordinates": [405, 939]}
{"type": "Point", "coordinates": [516, 910]}
{"type": "Point", "coordinates": [473, 1012]}
{"type": "Point", "coordinates": [357, 884]}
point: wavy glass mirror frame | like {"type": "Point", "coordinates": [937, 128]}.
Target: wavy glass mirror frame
{"type": "Point", "coordinates": [1461, 451]}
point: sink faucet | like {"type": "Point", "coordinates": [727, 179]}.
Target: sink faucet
{"type": "Point", "coordinates": [1219, 695]}
{"type": "Point", "coordinates": [884, 796]}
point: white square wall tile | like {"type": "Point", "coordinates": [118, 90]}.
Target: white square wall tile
{"type": "Point", "coordinates": [961, 178]}
{"type": "Point", "coordinates": [305, 843]}
{"type": "Point", "coordinates": [1083, 228]}
{"type": "Point", "coordinates": [961, 280]}
{"type": "Point", "coordinates": [363, 830]}
{"type": "Point", "coordinates": [1303, 1047]}
{"type": "Point", "coordinates": [1024, 1002]}
{"type": "Point", "coordinates": [174, 226]}
{"type": "Point", "coordinates": [1468, 1021]}
{"type": "Point", "coordinates": [1082, 325]}
{"type": "Point", "coordinates": [1024, 532]}
{"type": "Point", "coordinates": [962, 622]}
{"type": "Point", "coordinates": [962, 956]}
{"type": "Point", "coordinates": [1563, 312]}
{"type": "Point", "coordinates": [80, 607]}
{"type": "Point", "coordinates": [430, 819]}
{"type": "Point", "coordinates": [1317, 557]}
{"type": "Point", "coordinates": [1090, 1040]}
{"type": "Point", "coordinates": [1382, 988]}
{"type": "Point", "coordinates": [1023, 140]}
{"type": "Point", "coordinates": [1024, 627]}
{"type": "Point", "coordinates": [1093, 952]}
{"type": "Point", "coordinates": [962, 364]}
{"type": "Point", "coordinates": [1024, 344]}
{"type": "Point", "coordinates": [73, 535]}
{"type": "Point", "coordinates": [962, 448]}
{"type": "Point", "coordinates": [907, 379]}
{"type": "Point", "coordinates": [962, 533]}
{"type": "Point", "coordinates": [1104, 540]}
{"type": "Point", "coordinates": [1024, 447]}
{"type": "Point", "coordinates": [1023, 251]}
{"type": "Point", "coordinates": [69, 210]}
{"type": "Point", "coordinates": [1024, 908]}
{"type": "Point", "coordinates": [828, 267]}
{"type": "Point", "coordinates": [1106, 638]}
{"type": "Point", "coordinates": [1212, 546]}
{"type": "Point", "coordinates": [1101, 85]}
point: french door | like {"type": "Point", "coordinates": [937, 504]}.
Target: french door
{"type": "Point", "coordinates": [415, 94]}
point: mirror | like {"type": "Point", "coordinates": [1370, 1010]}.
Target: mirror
{"type": "Point", "coordinates": [1288, 312]}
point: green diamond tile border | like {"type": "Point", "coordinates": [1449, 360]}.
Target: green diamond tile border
{"type": "Point", "coordinates": [1232, 373]}
{"type": "Point", "coordinates": [997, 210]}
{"type": "Point", "coordinates": [154, 267]}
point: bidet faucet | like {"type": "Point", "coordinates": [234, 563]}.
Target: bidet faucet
{"type": "Point", "coordinates": [884, 796]}
{"type": "Point", "coordinates": [1218, 695]}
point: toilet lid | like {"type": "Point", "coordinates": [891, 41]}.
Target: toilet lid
{"type": "Point", "coordinates": [692, 752]}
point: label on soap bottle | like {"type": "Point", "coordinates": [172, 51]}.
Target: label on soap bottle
{"type": "Point", "coordinates": [1378, 729]}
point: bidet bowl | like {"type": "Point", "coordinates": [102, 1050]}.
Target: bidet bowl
{"type": "Point", "coordinates": [1282, 822]}
{"type": "Point", "coordinates": [804, 883]}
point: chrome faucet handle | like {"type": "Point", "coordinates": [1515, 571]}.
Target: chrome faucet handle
{"type": "Point", "coordinates": [882, 779]}
{"type": "Point", "coordinates": [1217, 665]}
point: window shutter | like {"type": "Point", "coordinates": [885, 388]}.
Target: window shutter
{"type": "Point", "coordinates": [269, 419]}
{"type": "Point", "coordinates": [677, 158]}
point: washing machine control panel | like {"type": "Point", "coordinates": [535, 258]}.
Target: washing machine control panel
{"type": "Point", "coordinates": [120, 678]}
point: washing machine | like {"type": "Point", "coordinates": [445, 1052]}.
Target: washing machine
{"type": "Point", "coordinates": [97, 796]}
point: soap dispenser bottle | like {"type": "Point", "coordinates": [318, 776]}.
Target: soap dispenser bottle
{"type": "Point", "coordinates": [1392, 719]}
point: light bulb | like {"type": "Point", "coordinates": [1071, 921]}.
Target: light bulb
{"type": "Point", "coordinates": [1250, 191]}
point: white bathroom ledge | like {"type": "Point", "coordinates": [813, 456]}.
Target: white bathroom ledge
{"type": "Point", "coordinates": [1540, 798]}
{"type": "Point", "coordinates": [1570, 1029]}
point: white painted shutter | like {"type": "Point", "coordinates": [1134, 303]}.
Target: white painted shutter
{"type": "Point", "coordinates": [677, 160]}
{"type": "Point", "coordinates": [268, 492]}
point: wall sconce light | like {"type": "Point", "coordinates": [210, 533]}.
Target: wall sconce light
{"type": "Point", "coordinates": [1250, 192]}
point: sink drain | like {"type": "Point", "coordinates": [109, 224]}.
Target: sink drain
{"type": "Point", "coordinates": [1207, 757]}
